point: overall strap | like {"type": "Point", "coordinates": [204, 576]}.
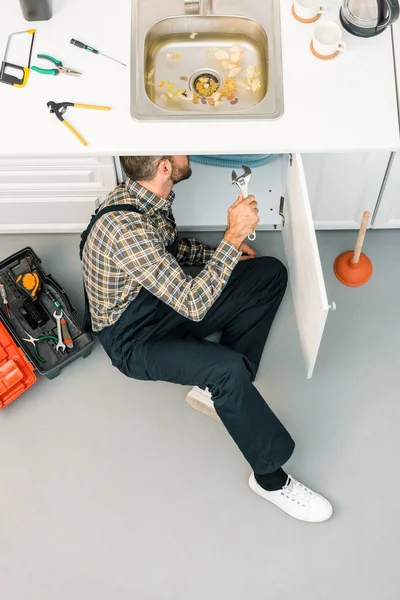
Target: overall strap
{"type": "Point", "coordinates": [87, 320]}
{"type": "Point", "coordinates": [97, 215]}
{"type": "Point", "coordinates": [172, 248]}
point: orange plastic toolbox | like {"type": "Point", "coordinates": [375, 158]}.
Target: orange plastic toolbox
{"type": "Point", "coordinates": [16, 372]}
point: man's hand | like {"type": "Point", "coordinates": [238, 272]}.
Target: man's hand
{"type": "Point", "coordinates": [242, 220]}
{"type": "Point", "coordinates": [248, 252]}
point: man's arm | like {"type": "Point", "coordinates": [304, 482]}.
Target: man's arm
{"type": "Point", "coordinates": [139, 252]}
{"type": "Point", "coordinates": [193, 252]}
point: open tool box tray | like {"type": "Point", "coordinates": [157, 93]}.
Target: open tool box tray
{"type": "Point", "coordinates": [35, 317]}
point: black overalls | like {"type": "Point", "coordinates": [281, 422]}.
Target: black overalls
{"type": "Point", "coordinates": [151, 341]}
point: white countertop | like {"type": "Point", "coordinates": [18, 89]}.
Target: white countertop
{"type": "Point", "coordinates": [345, 104]}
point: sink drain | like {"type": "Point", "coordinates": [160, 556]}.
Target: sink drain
{"type": "Point", "coordinates": [205, 82]}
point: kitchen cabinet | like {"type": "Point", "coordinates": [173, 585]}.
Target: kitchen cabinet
{"type": "Point", "coordinates": [48, 194]}
{"type": "Point", "coordinates": [342, 186]}
{"type": "Point", "coordinates": [387, 214]}
{"type": "Point", "coordinates": [202, 202]}
{"type": "Point", "coordinates": [281, 189]}
{"type": "Point", "coordinates": [296, 194]}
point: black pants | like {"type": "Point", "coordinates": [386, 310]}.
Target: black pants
{"type": "Point", "coordinates": [151, 341]}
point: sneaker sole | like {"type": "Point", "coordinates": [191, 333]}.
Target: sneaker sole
{"type": "Point", "coordinates": [257, 489]}
{"type": "Point", "coordinates": [200, 400]}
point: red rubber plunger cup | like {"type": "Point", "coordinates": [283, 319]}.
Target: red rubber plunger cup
{"type": "Point", "coordinates": [354, 268]}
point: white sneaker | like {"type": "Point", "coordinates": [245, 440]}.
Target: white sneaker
{"type": "Point", "coordinates": [296, 500]}
{"type": "Point", "coordinates": [202, 400]}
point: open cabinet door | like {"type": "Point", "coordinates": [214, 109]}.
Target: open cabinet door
{"type": "Point", "coordinates": [304, 264]}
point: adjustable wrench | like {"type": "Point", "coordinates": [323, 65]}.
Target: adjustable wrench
{"type": "Point", "coordinates": [242, 181]}
{"type": "Point", "coordinates": [60, 343]}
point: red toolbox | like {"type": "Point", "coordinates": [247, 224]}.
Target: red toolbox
{"type": "Point", "coordinates": [16, 372]}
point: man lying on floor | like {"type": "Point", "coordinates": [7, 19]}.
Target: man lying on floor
{"type": "Point", "coordinates": [152, 318]}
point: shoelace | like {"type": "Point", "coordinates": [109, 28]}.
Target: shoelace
{"type": "Point", "coordinates": [297, 492]}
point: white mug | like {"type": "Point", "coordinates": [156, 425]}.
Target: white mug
{"type": "Point", "coordinates": [309, 9]}
{"type": "Point", "coordinates": [327, 39]}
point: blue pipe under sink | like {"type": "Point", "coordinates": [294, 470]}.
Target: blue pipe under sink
{"type": "Point", "coordinates": [234, 161]}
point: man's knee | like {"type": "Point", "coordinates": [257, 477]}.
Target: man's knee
{"type": "Point", "coordinates": [272, 269]}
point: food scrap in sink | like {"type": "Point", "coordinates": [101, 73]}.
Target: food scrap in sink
{"type": "Point", "coordinates": [206, 85]}
{"type": "Point", "coordinates": [221, 55]}
{"type": "Point", "coordinates": [149, 75]}
{"type": "Point", "coordinates": [230, 61]}
{"type": "Point", "coordinates": [226, 82]}
{"type": "Point", "coordinates": [188, 95]}
{"type": "Point", "coordinates": [253, 78]}
{"type": "Point", "coordinates": [235, 49]}
{"type": "Point", "coordinates": [235, 71]}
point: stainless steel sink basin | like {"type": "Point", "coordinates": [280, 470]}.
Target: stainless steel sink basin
{"type": "Point", "coordinates": [206, 66]}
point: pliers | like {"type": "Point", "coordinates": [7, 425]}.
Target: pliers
{"type": "Point", "coordinates": [33, 341]}
{"type": "Point", "coordinates": [59, 108]}
{"type": "Point", "coordinates": [59, 67]}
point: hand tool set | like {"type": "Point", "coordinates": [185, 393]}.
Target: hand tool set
{"type": "Point", "coordinates": [8, 75]}
{"type": "Point", "coordinates": [37, 314]}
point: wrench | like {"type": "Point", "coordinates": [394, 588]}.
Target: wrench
{"type": "Point", "coordinates": [242, 181]}
{"type": "Point", "coordinates": [60, 343]}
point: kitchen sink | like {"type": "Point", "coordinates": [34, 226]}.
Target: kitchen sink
{"type": "Point", "coordinates": [210, 60]}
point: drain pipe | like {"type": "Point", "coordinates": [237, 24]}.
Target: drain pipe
{"type": "Point", "coordinates": [198, 7]}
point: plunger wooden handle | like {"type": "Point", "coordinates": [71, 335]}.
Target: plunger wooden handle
{"type": "Point", "coordinates": [361, 237]}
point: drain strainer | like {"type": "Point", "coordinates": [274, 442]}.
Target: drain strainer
{"type": "Point", "coordinates": [205, 82]}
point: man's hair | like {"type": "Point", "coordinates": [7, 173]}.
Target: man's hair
{"type": "Point", "coordinates": [142, 168]}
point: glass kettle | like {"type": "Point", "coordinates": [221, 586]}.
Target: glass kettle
{"type": "Point", "coordinates": [367, 18]}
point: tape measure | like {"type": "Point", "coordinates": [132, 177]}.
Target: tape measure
{"type": "Point", "coordinates": [30, 283]}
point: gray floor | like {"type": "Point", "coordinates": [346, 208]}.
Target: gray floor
{"type": "Point", "coordinates": [111, 488]}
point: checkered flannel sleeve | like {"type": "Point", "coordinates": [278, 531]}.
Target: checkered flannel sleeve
{"type": "Point", "coordinates": [140, 253]}
{"type": "Point", "coordinates": [193, 252]}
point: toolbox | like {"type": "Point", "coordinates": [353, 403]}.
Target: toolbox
{"type": "Point", "coordinates": [38, 315]}
{"type": "Point", "coordinates": [16, 372]}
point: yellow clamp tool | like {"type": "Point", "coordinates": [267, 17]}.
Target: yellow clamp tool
{"type": "Point", "coordinates": [59, 108]}
{"type": "Point", "coordinates": [12, 79]}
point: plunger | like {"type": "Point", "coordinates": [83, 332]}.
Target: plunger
{"type": "Point", "coordinates": [355, 268]}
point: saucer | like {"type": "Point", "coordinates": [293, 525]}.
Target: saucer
{"type": "Point", "coordinates": [304, 20]}
{"type": "Point", "coordinates": [322, 56]}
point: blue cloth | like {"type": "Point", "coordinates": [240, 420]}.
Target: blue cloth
{"type": "Point", "coordinates": [234, 161]}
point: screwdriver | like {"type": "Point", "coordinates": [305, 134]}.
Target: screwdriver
{"type": "Point", "coordinates": [4, 298]}
{"type": "Point", "coordinates": [85, 47]}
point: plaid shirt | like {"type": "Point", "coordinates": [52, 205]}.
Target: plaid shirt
{"type": "Point", "coordinates": [125, 251]}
